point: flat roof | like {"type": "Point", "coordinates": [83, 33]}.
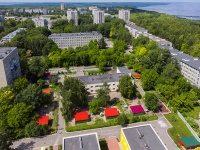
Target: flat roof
{"type": "Point", "coordinates": [189, 141]}
{"type": "Point", "coordinates": [5, 51]}
{"type": "Point", "coordinates": [137, 109]}
{"type": "Point", "coordinates": [112, 143]}
{"type": "Point", "coordinates": [81, 116]}
{"type": "Point", "coordinates": [96, 79]}
{"type": "Point", "coordinates": [123, 69]}
{"type": "Point", "coordinates": [75, 34]}
{"type": "Point", "coordinates": [143, 137]}
{"type": "Point", "coordinates": [13, 34]}
{"type": "Point", "coordinates": [81, 142]}
{"type": "Point", "coordinates": [111, 112]}
{"type": "Point", "coordinates": [43, 120]}
{"type": "Point", "coordinates": [185, 58]}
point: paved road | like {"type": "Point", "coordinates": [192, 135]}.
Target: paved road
{"type": "Point", "coordinates": [140, 89]}
{"type": "Point", "coordinates": [161, 125]}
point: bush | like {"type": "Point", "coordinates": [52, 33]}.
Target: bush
{"type": "Point", "coordinates": [143, 118]}
{"type": "Point", "coordinates": [135, 119]}
{"type": "Point", "coordinates": [138, 95]}
{"type": "Point", "coordinates": [122, 119]}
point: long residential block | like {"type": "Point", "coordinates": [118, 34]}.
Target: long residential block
{"type": "Point", "coordinates": [190, 66]}
{"type": "Point", "coordinates": [9, 65]}
{"type": "Point", "coordinates": [65, 40]}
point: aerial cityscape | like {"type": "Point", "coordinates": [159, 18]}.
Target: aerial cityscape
{"type": "Point", "coordinates": [108, 75]}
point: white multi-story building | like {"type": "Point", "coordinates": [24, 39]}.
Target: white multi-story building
{"type": "Point", "coordinates": [40, 22]}
{"type": "Point", "coordinates": [2, 18]}
{"type": "Point", "coordinates": [124, 14]}
{"type": "Point", "coordinates": [190, 66]}
{"type": "Point", "coordinates": [98, 17]}
{"type": "Point", "coordinates": [45, 11]}
{"type": "Point", "coordinates": [65, 40]}
{"type": "Point", "coordinates": [9, 65]}
{"type": "Point", "coordinates": [62, 6]}
{"type": "Point", "coordinates": [95, 82]}
{"type": "Point", "coordinates": [72, 15]}
{"type": "Point", "coordinates": [92, 7]}
{"type": "Point", "coordinates": [11, 35]}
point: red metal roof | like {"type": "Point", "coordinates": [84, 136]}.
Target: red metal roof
{"type": "Point", "coordinates": [111, 112]}
{"type": "Point", "coordinates": [43, 120]}
{"type": "Point", "coordinates": [112, 143]}
{"type": "Point", "coordinates": [81, 116]}
{"type": "Point", "coordinates": [137, 109]}
{"type": "Point", "coordinates": [47, 91]}
{"type": "Point", "coordinates": [47, 75]}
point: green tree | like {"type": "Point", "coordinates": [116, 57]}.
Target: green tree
{"type": "Point", "coordinates": [171, 72]}
{"type": "Point", "coordinates": [32, 95]}
{"type": "Point", "coordinates": [94, 106]}
{"type": "Point", "coordinates": [32, 129]}
{"type": "Point", "coordinates": [151, 101]}
{"type": "Point", "coordinates": [122, 119]}
{"type": "Point", "coordinates": [102, 43]}
{"type": "Point", "coordinates": [103, 95]}
{"type": "Point", "coordinates": [41, 82]}
{"type": "Point", "coordinates": [183, 85]}
{"type": "Point", "coordinates": [20, 84]}
{"type": "Point", "coordinates": [148, 79]}
{"type": "Point", "coordinates": [37, 66]}
{"type": "Point", "coordinates": [126, 87]}
{"type": "Point", "coordinates": [5, 140]}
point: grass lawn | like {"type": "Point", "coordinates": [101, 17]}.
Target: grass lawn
{"type": "Point", "coordinates": [179, 129]}
{"type": "Point", "coordinates": [55, 120]}
{"type": "Point", "coordinates": [193, 113]}
{"type": "Point", "coordinates": [103, 144]}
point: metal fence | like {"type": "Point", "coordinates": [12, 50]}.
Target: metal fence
{"type": "Point", "coordinates": [189, 127]}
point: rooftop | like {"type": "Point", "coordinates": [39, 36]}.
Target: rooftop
{"type": "Point", "coordinates": [189, 141]}
{"type": "Point", "coordinates": [5, 51]}
{"type": "Point", "coordinates": [95, 79]}
{"type": "Point", "coordinates": [132, 25]}
{"type": "Point", "coordinates": [137, 109]}
{"type": "Point", "coordinates": [13, 34]}
{"type": "Point", "coordinates": [43, 120]}
{"type": "Point", "coordinates": [112, 143]}
{"type": "Point", "coordinates": [75, 34]}
{"type": "Point", "coordinates": [81, 142]}
{"type": "Point", "coordinates": [123, 69]}
{"type": "Point", "coordinates": [185, 58]}
{"type": "Point", "coordinates": [142, 138]}
{"type": "Point", "coordinates": [81, 116]}
{"type": "Point", "coordinates": [111, 112]}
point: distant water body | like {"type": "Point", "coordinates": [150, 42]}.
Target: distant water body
{"type": "Point", "coordinates": [187, 10]}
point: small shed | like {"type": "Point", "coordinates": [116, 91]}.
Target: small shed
{"type": "Point", "coordinates": [43, 120]}
{"type": "Point", "coordinates": [111, 113]}
{"type": "Point", "coordinates": [47, 91]}
{"type": "Point", "coordinates": [137, 110]}
{"type": "Point", "coordinates": [188, 142]}
{"type": "Point", "coordinates": [137, 75]}
{"type": "Point", "coordinates": [81, 117]}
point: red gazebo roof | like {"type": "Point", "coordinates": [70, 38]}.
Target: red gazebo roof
{"type": "Point", "coordinates": [47, 91]}
{"type": "Point", "coordinates": [111, 112]}
{"type": "Point", "coordinates": [137, 109]}
{"type": "Point", "coordinates": [43, 120]}
{"type": "Point", "coordinates": [81, 116]}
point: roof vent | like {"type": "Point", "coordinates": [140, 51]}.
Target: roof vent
{"type": "Point", "coordinates": [196, 59]}
{"type": "Point", "coordinates": [185, 59]}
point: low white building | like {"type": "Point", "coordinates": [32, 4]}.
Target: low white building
{"type": "Point", "coordinates": [123, 69]}
{"type": "Point", "coordinates": [11, 35]}
{"type": "Point", "coordinates": [190, 66]}
{"type": "Point", "coordinates": [65, 40]}
{"type": "Point", "coordinates": [95, 82]}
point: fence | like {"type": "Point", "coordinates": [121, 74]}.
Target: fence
{"type": "Point", "coordinates": [189, 127]}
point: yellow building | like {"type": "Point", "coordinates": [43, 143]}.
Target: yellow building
{"type": "Point", "coordinates": [140, 137]}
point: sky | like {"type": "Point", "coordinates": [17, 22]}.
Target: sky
{"type": "Point", "coordinates": [99, 1]}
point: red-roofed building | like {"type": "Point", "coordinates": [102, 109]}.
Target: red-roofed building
{"type": "Point", "coordinates": [47, 91]}
{"type": "Point", "coordinates": [112, 143]}
{"type": "Point", "coordinates": [43, 120]}
{"type": "Point", "coordinates": [111, 112]}
{"type": "Point", "coordinates": [137, 75]}
{"type": "Point", "coordinates": [137, 110]}
{"type": "Point", "coordinates": [46, 76]}
{"type": "Point", "coordinates": [81, 116]}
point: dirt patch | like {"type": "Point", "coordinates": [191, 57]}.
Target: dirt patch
{"type": "Point", "coordinates": [163, 108]}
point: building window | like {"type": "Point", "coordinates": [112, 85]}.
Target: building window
{"type": "Point", "coordinates": [91, 90]}
{"type": "Point", "coordinates": [91, 86]}
{"type": "Point", "coordinates": [113, 88]}
{"type": "Point", "coordinates": [113, 84]}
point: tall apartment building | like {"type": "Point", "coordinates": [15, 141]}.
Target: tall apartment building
{"type": "Point", "coordinates": [98, 17]}
{"type": "Point", "coordinates": [45, 11]}
{"type": "Point", "coordinates": [9, 65]}
{"type": "Point", "coordinates": [2, 18]}
{"type": "Point", "coordinates": [190, 66]}
{"type": "Point", "coordinates": [65, 40]}
{"type": "Point", "coordinates": [124, 14]}
{"type": "Point", "coordinates": [40, 22]}
{"type": "Point", "coordinates": [72, 15]}
{"type": "Point", "coordinates": [62, 6]}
